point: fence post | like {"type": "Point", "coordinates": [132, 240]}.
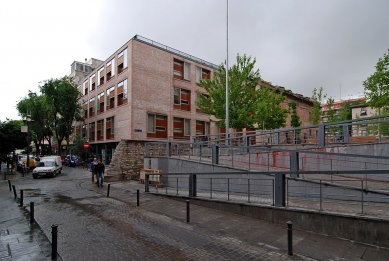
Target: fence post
{"type": "Point", "coordinates": [346, 133]}
{"type": "Point", "coordinates": [272, 190]}
{"type": "Point", "coordinates": [249, 158]}
{"type": "Point", "coordinates": [228, 189]}
{"type": "Point", "coordinates": [9, 184]}
{"type": "Point", "coordinates": [54, 241]}
{"type": "Point", "coordinates": [290, 237]}
{"type": "Point", "coordinates": [31, 212]}
{"type": "Point", "coordinates": [21, 198]}
{"type": "Point", "coordinates": [248, 190]}
{"type": "Point", "coordinates": [192, 185]}
{"type": "Point", "coordinates": [137, 197]}
{"type": "Point", "coordinates": [211, 187]}
{"type": "Point", "coordinates": [320, 197]}
{"type": "Point", "coordinates": [232, 156]}
{"type": "Point", "coordinates": [321, 135]}
{"type": "Point", "coordinates": [177, 186]}
{"type": "Point", "coordinates": [279, 189]}
{"type": "Point", "coordinates": [294, 163]}
{"type": "Point", "coordinates": [108, 189]}
{"type": "Point", "coordinates": [215, 154]}
{"type": "Point", "coordinates": [362, 195]}
{"type": "Point", "coordinates": [14, 189]}
{"type": "Point", "coordinates": [187, 211]}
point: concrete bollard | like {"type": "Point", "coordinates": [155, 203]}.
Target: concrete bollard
{"type": "Point", "coordinates": [31, 212]}
{"type": "Point", "coordinates": [9, 184]}
{"type": "Point", "coordinates": [21, 198]}
{"type": "Point", "coordinates": [187, 211]}
{"type": "Point", "coordinates": [108, 189]}
{"type": "Point", "coordinates": [290, 237]}
{"type": "Point", "coordinates": [137, 197]}
{"type": "Point", "coordinates": [14, 189]}
{"type": "Point", "coordinates": [54, 241]}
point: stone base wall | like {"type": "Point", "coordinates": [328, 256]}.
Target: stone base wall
{"type": "Point", "coordinates": [127, 161]}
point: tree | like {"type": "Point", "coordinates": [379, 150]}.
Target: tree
{"type": "Point", "coordinates": [62, 97]}
{"type": "Point", "coordinates": [11, 137]}
{"type": "Point", "coordinates": [268, 112]}
{"type": "Point", "coordinates": [242, 82]}
{"type": "Point", "coordinates": [377, 85]}
{"type": "Point", "coordinates": [36, 107]}
{"type": "Point", "coordinates": [317, 97]}
{"type": "Point", "coordinates": [294, 117]}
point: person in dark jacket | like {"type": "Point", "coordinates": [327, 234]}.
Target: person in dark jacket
{"type": "Point", "coordinates": [100, 168]}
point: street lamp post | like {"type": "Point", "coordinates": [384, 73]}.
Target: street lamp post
{"type": "Point", "coordinates": [28, 120]}
{"type": "Point", "coordinates": [227, 102]}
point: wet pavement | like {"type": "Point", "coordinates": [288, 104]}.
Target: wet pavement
{"type": "Point", "coordinates": [94, 227]}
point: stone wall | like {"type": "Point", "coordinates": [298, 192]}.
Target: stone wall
{"type": "Point", "coordinates": [127, 161]}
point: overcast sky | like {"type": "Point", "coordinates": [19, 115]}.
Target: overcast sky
{"type": "Point", "coordinates": [298, 44]}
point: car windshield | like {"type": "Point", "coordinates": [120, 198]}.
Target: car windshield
{"type": "Point", "coordinates": [48, 163]}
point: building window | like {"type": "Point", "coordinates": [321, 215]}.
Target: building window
{"type": "Point", "coordinates": [100, 102]}
{"type": "Point", "coordinates": [181, 128]}
{"type": "Point", "coordinates": [85, 109]}
{"type": "Point", "coordinates": [92, 82]}
{"type": "Point", "coordinates": [156, 125]}
{"type": "Point", "coordinates": [122, 92]}
{"type": "Point", "coordinates": [111, 98]}
{"type": "Point", "coordinates": [202, 73]}
{"type": "Point", "coordinates": [85, 88]}
{"type": "Point", "coordinates": [110, 69]}
{"type": "Point", "coordinates": [109, 128]}
{"type": "Point", "coordinates": [100, 77]}
{"type": "Point", "coordinates": [92, 131]}
{"type": "Point", "coordinates": [202, 128]}
{"type": "Point", "coordinates": [363, 111]}
{"type": "Point", "coordinates": [181, 70]}
{"type": "Point", "coordinates": [84, 131]}
{"type": "Point", "coordinates": [92, 107]}
{"type": "Point", "coordinates": [122, 60]}
{"type": "Point", "coordinates": [100, 130]}
{"type": "Point", "coordinates": [198, 97]}
{"type": "Point", "coordinates": [181, 99]}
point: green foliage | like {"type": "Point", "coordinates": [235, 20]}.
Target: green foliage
{"type": "Point", "coordinates": [11, 137]}
{"type": "Point", "coordinates": [247, 105]}
{"type": "Point", "coordinates": [377, 84]}
{"type": "Point", "coordinates": [268, 112]}
{"type": "Point", "coordinates": [78, 145]}
{"type": "Point", "coordinates": [294, 117]}
{"type": "Point", "coordinates": [317, 97]}
{"type": "Point", "coordinates": [62, 98]}
{"type": "Point", "coordinates": [243, 79]}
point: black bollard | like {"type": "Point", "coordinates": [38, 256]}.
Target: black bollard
{"type": "Point", "coordinates": [108, 189]}
{"type": "Point", "coordinates": [137, 197]}
{"type": "Point", "coordinates": [9, 184]}
{"type": "Point", "coordinates": [187, 211]}
{"type": "Point", "coordinates": [21, 198]}
{"type": "Point", "coordinates": [31, 212]}
{"type": "Point", "coordinates": [290, 238]}
{"type": "Point", "coordinates": [54, 240]}
{"type": "Point", "coordinates": [5, 175]}
{"type": "Point", "coordinates": [14, 189]}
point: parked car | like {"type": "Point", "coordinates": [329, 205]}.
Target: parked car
{"type": "Point", "coordinates": [48, 166]}
{"type": "Point", "coordinates": [72, 161]}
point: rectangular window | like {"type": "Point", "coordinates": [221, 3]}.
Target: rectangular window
{"type": "Point", "coordinates": [100, 102]}
{"type": "Point", "coordinates": [202, 128]}
{"type": "Point", "coordinates": [122, 60]}
{"type": "Point", "coordinates": [156, 125]}
{"type": "Point", "coordinates": [363, 111]}
{"type": "Point", "coordinates": [181, 128]}
{"type": "Point", "coordinates": [181, 99]}
{"type": "Point", "coordinates": [84, 131]}
{"type": "Point", "coordinates": [109, 128]}
{"type": "Point", "coordinates": [122, 92]}
{"type": "Point", "coordinates": [100, 130]}
{"type": "Point", "coordinates": [111, 98]}
{"type": "Point", "coordinates": [85, 88]}
{"type": "Point", "coordinates": [202, 73]}
{"type": "Point", "coordinates": [110, 69]}
{"type": "Point", "coordinates": [85, 109]}
{"type": "Point", "coordinates": [100, 77]}
{"type": "Point", "coordinates": [92, 82]}
{"type": "Point", "coordinates": [92, 107]}
{"type": "Point", "coordinates": [181, 70]}
{"type": "Point", "coordinates": [92, 131]}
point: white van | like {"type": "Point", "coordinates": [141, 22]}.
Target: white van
{"type": "Point", "coordinates": [48, 166]}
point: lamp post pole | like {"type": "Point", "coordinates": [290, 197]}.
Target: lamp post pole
{"type": "Point", "coordinates": [227, 102]}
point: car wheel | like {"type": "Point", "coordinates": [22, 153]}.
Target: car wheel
{"type": "Point", "coordinates": [34, 176]}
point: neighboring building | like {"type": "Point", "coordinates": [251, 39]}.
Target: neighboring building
{"type": "Point", "coordinates": [304, 104]}
{"type": "Point", "coordinates": [339, 104]}
{"type": "Point", "coordinates": [143, 91]}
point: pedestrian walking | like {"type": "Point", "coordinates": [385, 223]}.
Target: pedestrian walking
{"type": "Point", "coordinates": [100, 168]}
{"type": "Point", "coordinates": [93, 169]}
